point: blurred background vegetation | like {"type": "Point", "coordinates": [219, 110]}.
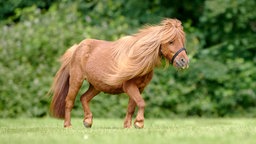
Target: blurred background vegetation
{"type": "Point", "coordinates": [221, 41]}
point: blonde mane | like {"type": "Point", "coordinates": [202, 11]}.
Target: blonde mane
{"type": "Point", "coordinates": [138, 54]}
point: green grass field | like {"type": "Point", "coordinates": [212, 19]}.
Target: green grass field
{"type": "Point", "coordinates": [110, 131]}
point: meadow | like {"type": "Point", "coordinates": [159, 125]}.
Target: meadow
{"type": "Point", "coordinates": [110, 131]}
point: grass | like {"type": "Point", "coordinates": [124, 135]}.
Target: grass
{"type": "Point", "coordinates": [110, 131]}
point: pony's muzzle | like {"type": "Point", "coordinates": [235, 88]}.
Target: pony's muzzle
{"type": "Point", "coordinates": [182, 63]}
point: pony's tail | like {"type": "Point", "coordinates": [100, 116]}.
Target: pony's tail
{"type": "Point", "coordinates": [60, 85]}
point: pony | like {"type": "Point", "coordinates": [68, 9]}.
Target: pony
{"type": "Point", "coordinates": [122, 66]}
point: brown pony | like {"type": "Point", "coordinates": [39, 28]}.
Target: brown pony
{"type": "Point", "coordinates": [122, 66]}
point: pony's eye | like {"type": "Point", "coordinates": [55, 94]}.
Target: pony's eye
{"type": "Point", "coordinates": [171, 42]}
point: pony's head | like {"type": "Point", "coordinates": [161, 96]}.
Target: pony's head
{"type": "Point", "coordinates": [172, 43]}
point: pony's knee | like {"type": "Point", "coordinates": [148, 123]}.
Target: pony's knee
{"type": "Point", "coordinates": [141, 103]}
{"type": "Point", "coordinates": [82, 98]}
{"type": "Point", "coordinates": [131, 111]}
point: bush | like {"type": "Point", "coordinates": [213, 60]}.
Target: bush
{"type": "Point", "coordinates": [219, 82]}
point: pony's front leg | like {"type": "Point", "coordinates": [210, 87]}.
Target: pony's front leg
{"type": "Point", "coordinates": [85, 99]}
{"type": "Point", "coordinates": [133, 91]}
{"type": "Point", "coordinates": [129, 113]}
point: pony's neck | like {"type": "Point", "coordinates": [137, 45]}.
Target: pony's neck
{"type": "Point", "coordinates": [138, 54]}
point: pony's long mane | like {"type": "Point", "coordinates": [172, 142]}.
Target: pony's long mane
{"type": "Point", "coordinates": [138, 54]}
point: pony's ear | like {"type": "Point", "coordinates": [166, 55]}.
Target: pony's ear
{"type": "Point", "coordinates": [170, 23]}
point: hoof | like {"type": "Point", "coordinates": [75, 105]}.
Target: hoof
{"type": "Point", "coordinates": [70, 126]}
{"type": "Point", "coordinates": [127, 126]}
{"type": "Point", "coordinates": [87, 125]}
{"type": "Point", "coordinates": [138, 125]}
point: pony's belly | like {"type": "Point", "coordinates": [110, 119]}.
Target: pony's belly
{"type": "Point", "coordinates": [101, 86]}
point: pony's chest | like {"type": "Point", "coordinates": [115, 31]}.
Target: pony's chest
{"type": "Point", "coordinates": [143, 81]}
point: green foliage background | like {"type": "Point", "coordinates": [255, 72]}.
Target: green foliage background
{"type": "Point", "coordinates": [221, 34]}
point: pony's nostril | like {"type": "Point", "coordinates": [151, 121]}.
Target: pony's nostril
{"type": "Point", "coordinates": [183, 60]}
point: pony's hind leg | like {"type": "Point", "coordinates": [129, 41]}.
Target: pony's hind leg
{"type": "Point", "coordinates": [75, 83]}
{"type": "Point", "coordinates": [129, 113]}
{"type": "Point", "coordinates": [85, 99]}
